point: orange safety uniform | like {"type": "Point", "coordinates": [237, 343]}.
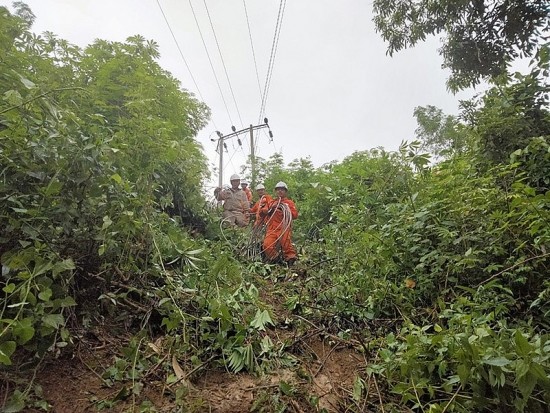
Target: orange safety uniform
{"type": "Point", "coordinates": [279, 233]}
{"type": "Point", "coordinates": [263, 201]}
{"type": "Point", "coordinates": [248, 193]}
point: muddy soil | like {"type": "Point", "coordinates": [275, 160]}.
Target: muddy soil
{"type": "Point", "coordinates": [321, 379]}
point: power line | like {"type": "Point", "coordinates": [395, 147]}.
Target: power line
{"type": "Point", "coordinates": [223, 62]}
{"type": "Point", "coordinates": [179, 49]}
{"type": "Point", "coordinates": [230, 161]}
{"type": "Point", "coordinates": [253, 51]}
{"type": "Point", "coordinates": [210, 60]}
{"type": "Point", "coordinates": [278, 25]}
{"type": "Point", "coordinates": [274, 45]}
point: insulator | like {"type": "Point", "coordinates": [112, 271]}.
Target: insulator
{"type": "Point", "coordinates": [271, 134]}
{"type": "Point", "coordinates": [233, 128]}
{"type": "Point", "coordinates": [265, 121]}
{"type": "Point", "coordinates": [219, 133]}
{"type": "Point", "coordinates": [239, 142]}
{"type": "Point", "coordinates": [225, 146]}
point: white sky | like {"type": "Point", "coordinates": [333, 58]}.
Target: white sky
{"type": "Point", "coordinates": [333, 89]}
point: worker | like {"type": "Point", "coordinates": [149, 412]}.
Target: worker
{"type": "Point", "coordinates": [235, 203]}
{"type": "Point", "coordinates": [279, 213]}
{"type": "Point", "coordinates": [247, 191]}
{"type": "Point", "coordinates": [263, 199]}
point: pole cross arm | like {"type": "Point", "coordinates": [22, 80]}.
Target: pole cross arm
{"type": "Point", "coordinates": [250, 129]}
{"type": "Point", "coordinates": [233, 134]}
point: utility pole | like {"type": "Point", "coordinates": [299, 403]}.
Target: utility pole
{"type": "Point", "coordinates": [221, 145]}
{"type": "Point", "coordinates": [252, 160]}
{"type": "Point", "coordinates": [220, 148]}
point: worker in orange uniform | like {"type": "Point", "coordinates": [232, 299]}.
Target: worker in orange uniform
{"type": "Point", "coordinates": [247, 191]}
{"type": "Point", "coordinates": [280, 213]}
{"type": "Point", "coordinates": [263, 199]}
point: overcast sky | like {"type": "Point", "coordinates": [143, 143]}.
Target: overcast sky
{"type": "Point", "coordinates": [333, 89]}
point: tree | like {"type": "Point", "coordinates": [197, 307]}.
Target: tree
{"type": "Point", "coordinates": [510, 115]}
{"type": "Point", "coordinates": [152, 120]}
{"type": "Point", "coordinates": [95, 146]}
{"type": "Point", "coordinates": [440, 134]}
{"type": "Point", "coordinates": [482, 37]}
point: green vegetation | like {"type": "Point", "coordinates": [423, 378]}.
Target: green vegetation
{"type": "Point", "coordinates": [436, 272]}
{"type": "Point", "coordinates": [480, 40]}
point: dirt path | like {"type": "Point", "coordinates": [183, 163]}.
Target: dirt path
{"type": "Point", "coordinates": [321, 378]}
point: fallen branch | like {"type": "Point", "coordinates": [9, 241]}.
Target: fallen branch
{"type": "Point", "coordinates": [296, 406]}
{"type": "Point", "coordinates": [325, 360]}
{"type": "Point", "coordinates": [321, 262]}
{"type": "Point", "coordinates": [269, 386]}
{"type": "Point", "coordinates": [105, 382]}
{"type": "Point", "coordinates": [200, 366]}
{"type": "Point", "coordinates": [118, 284]}
{"type": "Point", "coordinates": [492, 277]}
{"type": "Point", "coordinates": [350, 342]}
{"type": "Point", "coordinates": [379, 395]}
{"type": "Point", "coordinates": [452, 399]}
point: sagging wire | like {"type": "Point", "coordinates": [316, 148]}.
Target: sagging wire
{"type": "Point", "coordinates": [181, 54]}
{"type": "Point", "coordinates": [268, 135]}
{"type": "Point", "coordinates": [230, 161]}
{"type": "Point", "coordinates": [252, 248]}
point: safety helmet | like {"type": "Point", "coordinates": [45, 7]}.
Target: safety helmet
{"type": "Point", "coordinates": [260, 186]}
{"type": "Point", "coordinates": [243, 182]}
{"type": "Point", "coordinates": [281, 184]}
{"type": "Point", "coordinates": [235, 177]}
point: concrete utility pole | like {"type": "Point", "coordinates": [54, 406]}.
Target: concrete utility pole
{"type": "Point", "coordinates": [220, 148]}
{"type": "Point", "coordinates": [221, 145]}
{"type": "Point", "coordinates": [252, 160]}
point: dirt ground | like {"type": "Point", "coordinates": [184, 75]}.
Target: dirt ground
{"type": "Point", "coordinates": [322, 379]}
{"type": "Point", "coordinates": [326, 371]}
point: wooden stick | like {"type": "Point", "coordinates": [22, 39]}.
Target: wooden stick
{"type": "Point", "coordinates": [379, 395]}
{"type": "Point", "coordinates": [325, 360]}
{"type": "Point", "coordinates": [512, 267]}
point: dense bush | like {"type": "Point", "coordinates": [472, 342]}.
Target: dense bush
{"type": "Point", "coordinates": [86, 173]}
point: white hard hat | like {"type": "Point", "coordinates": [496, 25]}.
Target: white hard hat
{"type": "Point", "coordinates": [235, 177]}
{"type": "Point", "coordinates": [244, 182]}
{"type": "Point", "coordinates": [260, 186]}
{"type": "Point", "coordinates": [281, 184]}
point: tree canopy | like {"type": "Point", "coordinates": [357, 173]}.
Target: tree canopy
{"type": "Point", "coordinates": [481, 37]}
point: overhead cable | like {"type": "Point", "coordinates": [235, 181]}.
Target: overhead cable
{"type": "Point", "coordinates": [278, 25]}
{"type": "Point", "coordinates": [179, 49]}
{"type": "Point", "coordinates": [210, 60]}
{"type": "Point", "coordinates": [274, 45]}
{"type": "Point", "coordinates": [230, 161]}
{"type": "Point", "coordinates": [253, 51]}
{"type": "Point", "coordinates": [223, 62]}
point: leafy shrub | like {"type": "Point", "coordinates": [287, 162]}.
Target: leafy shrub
{"type": "Point", "coordinates": [91, 157]}
{"type": "Point", "coordinates": [469, 361]}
